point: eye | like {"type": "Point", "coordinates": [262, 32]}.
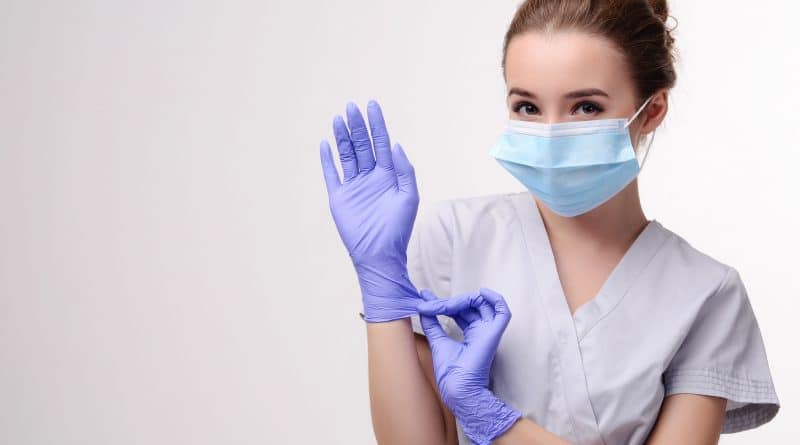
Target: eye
{"type": "Point", "coordinates": [529, 108]}
{"type": "Point", "coordinates": [588, 108]}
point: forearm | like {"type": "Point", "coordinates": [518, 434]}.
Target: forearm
{"type": "Point", "coordinates": [404, 407]}
{"type": "Point", "coordinates": [527, 432]}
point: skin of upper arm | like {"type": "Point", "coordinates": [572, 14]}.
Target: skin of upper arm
{"type": "Point", "coordinates": [426, 361]}
{"type": "Point", "coordinates": [691, 419]}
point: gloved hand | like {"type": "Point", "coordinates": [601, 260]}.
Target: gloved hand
{"type": "Point", "coordinates": [462, 369]}
{"type": "Point", "coordinates": [374, 208]}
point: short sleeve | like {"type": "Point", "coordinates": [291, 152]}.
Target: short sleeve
{"type": "Point", "coordinates": [723, 355]}
{"type": "Point", "coordinates": [430, 258]}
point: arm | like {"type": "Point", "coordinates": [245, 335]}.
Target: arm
{"type": "Point", "coordinates": [374, 207]}
{"type": "Point", "coordinates": [527, 432]}
{"type": "Point", "coordinates": [404, 406]}
{"type": "Point", "coordinates": [426, 360]}
{"type": "Point", "coordinates": [691, 419]}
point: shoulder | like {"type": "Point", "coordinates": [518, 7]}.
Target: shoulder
{"type": "Point", "coordinates": [447, 225]}
{"type": "Point", "coordinates": [687, 266]}
{"type": "Point", "coordinates": [482, 205]}
{"type": "Point", "coordinates": [489, 212]}
{"type": "Point", "coordinates": [721, 350]}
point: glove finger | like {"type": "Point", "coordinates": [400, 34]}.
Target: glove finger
{"type": "Point", "coordinates": [451, 306]}
{"type": "Point", "coordinates": [328, 167]}
{"type": "Point", "coordinates": [497, 301]}
{"type": "Point", "coordinates": [433, 330]}
{"type": "Point", "coordinates": [427, 295]}
{"type": "Point", "coordinates": [406, 178]}
{"type": "Point", "coordinates": [360, 137]}
{"type": "Point", "coordinates": [466, 318]}
{"type": "Point", "coordinates": [463, 324]}
{"type": "Point", "coordinates": [470, 315]}
{"type": "Point", "coordinates": [347, 156]}
{"type": "Point", "coordinates": [502, 313]}
{"type": "Point", "coordinates": [380, 136]}
{"type": "Point", "coordinates": [486, 311]}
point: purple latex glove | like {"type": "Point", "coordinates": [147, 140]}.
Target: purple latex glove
{"type": "Point", "coordinates": [374, 208]}
{"type": "Point", "coordinates": [462, 369]}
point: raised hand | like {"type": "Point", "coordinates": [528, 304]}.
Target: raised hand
{"type": "Point", "coordinates": [374, 207]}
{"type": "Point", "coordinates": [462, 368]}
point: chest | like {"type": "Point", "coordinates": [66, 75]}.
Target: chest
{"type": "Point", "coordinates": [583, 271]}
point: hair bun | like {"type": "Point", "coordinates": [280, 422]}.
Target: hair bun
{"type": "Point", "coordinates": [661, 10]}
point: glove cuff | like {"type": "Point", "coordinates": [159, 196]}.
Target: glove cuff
{"type": "Point", "coordinates": [387, 293]}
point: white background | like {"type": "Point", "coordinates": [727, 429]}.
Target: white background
{"type": "Point", "coordinates": [169, 270]}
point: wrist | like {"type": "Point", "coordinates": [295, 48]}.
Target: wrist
{"type": "Point", "coordinates": [389, 257]}
{"type": "Point", "coordinates": [387, 293]}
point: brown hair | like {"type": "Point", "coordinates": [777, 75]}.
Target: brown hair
{"type": "Point", "coordinates": [637, 27]}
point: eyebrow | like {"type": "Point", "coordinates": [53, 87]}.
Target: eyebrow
{"type": "Point", "coordinates": [571, 95]}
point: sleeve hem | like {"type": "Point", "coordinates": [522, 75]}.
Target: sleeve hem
{"type": "Point", "coordinates": [758, 396]}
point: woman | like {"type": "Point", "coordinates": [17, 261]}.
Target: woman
{"type": "Point", "coordinates": [623, 333]}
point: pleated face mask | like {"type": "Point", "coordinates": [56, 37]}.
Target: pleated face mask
{"type": "Point", "coordinates": [572, 167]}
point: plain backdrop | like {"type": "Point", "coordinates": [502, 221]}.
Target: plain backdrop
{"type": "Point", "coordinates": [169, 270]}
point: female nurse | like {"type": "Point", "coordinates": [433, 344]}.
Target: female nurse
{"type": "Point", "coordinates": [622, 332]}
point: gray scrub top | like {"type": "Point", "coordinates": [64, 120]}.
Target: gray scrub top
{"type": "Point", "coordinates": [669, 319]}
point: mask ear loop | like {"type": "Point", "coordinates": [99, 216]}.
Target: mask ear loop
{"type": "Point", "coordinates": [635, 115]}
{"type": "Point", "coordinates": [650, 143]}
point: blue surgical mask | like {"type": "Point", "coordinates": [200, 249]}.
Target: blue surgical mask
{"type": "Point", "coordinates": [572, 167]}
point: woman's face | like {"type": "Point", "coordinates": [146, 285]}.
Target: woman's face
{"type": "Point", "coordinates": [571, 76]}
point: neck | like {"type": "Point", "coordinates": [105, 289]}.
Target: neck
{"type": "Point", "coordinates": [617, 222]}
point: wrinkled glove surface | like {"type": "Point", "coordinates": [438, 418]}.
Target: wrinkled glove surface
{"type": "Point", "coordinates": [462, 368]}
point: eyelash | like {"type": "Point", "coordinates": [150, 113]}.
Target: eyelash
{"type": "Point", "coordinates": [597, 107]}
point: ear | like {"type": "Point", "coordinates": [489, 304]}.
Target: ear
{"type": "Point", "coordinates": [655, 112]}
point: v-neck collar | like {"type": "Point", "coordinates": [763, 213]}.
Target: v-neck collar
{"type": "Point", "coordinates": [568, 329]}
{"type": "Point", "coordinates": [616, 285]}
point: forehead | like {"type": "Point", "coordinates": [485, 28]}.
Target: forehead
{"type": "Point", "coordinates": [562, 61]}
